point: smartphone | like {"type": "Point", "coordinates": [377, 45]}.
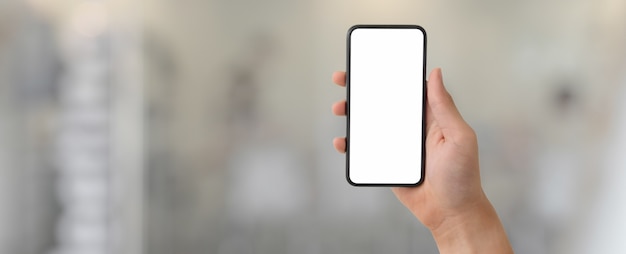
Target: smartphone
{"type": "Point", "coordinates": [385, 77]}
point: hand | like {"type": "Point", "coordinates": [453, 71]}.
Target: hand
{"type": "Point", "coordinates": [450, 201]}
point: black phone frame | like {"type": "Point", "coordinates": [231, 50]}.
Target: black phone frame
{"type": "Point", "coordinates": [423, 163]}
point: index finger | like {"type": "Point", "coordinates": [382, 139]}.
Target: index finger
{"type": "Point", "coordinates": [339, 78]}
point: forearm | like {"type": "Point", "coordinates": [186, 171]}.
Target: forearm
{"type": "Point", "coordinates": [479, 231]}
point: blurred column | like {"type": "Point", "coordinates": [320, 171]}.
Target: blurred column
{"type": "Point", "coordinates": [28, 64]}
{"type": "Point", "coordinates": [84, 134]}
{"type": "Point", "coordinates": [100, 140]}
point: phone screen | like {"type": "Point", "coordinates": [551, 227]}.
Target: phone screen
{"type": "Point", "coordinates": [385, 109]}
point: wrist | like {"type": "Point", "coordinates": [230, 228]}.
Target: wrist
{"type": "Point", "coordinates": [476, 230]}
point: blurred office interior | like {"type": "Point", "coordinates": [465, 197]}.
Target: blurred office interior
{"type": "Point", "coordinates": [163, 127]}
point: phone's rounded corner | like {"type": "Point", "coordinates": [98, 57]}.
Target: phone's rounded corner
{"type": "Point", "coordinates": [420, 181]}
{"type": "Point", "coordinates": [421, 28]}
{"type": "Point", "coordinates": [353, 28]}
{"type": "Point", "coordinates": [350, 181]}
{"type": "Point", "coordinates": [422, 176]}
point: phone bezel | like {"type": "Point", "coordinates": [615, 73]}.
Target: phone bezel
{"type": "Point", "coordinates": [348, 52]}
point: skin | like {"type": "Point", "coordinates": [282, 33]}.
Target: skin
{"type": "Point", "coordinates": [450, 201]}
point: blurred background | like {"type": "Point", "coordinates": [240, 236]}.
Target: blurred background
{"type": "Point", "coordinates": [162, 127]}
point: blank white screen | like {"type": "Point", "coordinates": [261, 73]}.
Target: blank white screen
{"type": "Point", "coordinates": [385, 111]}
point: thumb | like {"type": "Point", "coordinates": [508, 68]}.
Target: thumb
{"type": "Point", "coordinates": [442, 106]}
